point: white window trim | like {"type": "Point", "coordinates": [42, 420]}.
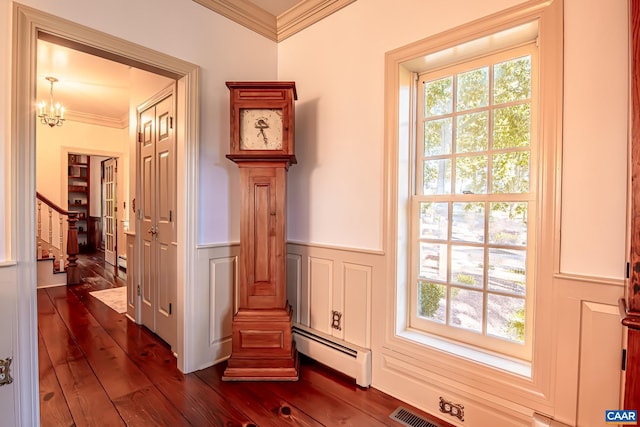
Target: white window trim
{"type": "Point", "coordinates": [526, 383]}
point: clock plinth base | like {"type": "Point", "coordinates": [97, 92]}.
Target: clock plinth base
{"type": "Point", "coordinates": [263, 370]}
{"type": "Point", "coordinates": [262, 347]}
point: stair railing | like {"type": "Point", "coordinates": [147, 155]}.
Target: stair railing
{"type": "Point", "coordinates": [64, 252]}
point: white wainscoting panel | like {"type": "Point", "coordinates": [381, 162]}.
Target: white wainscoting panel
{"type": "Point", "coordinates": [321, 290]}
{"type": "Point", "coordinates": [335, 279]}
{"type": "Point", "coordinates": [214, 302]}
{"type": "Point", "coordinates": [601, 336]}
{"type": "Point", "coordinates": [590, 339]}
{"type": "Point", "coordinates": [222, 273]}
{"type": "Point", "coordinates": [357, 303]}
{"type": "Point", "coordinates": [294, 284]}
{"type": "Point", "coordinates": [10, 393]}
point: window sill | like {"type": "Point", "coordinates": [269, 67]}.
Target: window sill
{"type": "Point", "coordinates": [473, 355]}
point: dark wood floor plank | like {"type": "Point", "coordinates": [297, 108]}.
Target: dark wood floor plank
{"type": "Point", "coordinates": [118, 375]}
{"type": "Point", "coordinates": [190, 395]}
{"type": "Point", "coordinates": [94, 267]}
{"type": "Point", "coordinates": [54, 410]}
{"type": "Point", "coordinates": [195, 399]}
{"type": "Point", "coordinates": [147, 407]}
{"type": "Point", "coordinates": [262, 406]}
{"type": "Point", "coordinates": [61, 345]}
{"type": "Point", "coordinates": [374, 402]}
{"type": "Point", "coordinates": [325, 408]}
{"type": "Point", "coordinates": [290, 403]}
{"type": "Point", "coordinates": [87, 401]}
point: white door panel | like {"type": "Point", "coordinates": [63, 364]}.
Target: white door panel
{"type": "Point", "coordinates": [157, 230]}
{"type": "Point", "coordinates": [164, 205]}
{"type": "Point", "coordinates": [147, 214]}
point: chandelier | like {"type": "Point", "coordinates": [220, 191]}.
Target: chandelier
{"type": "Point", "coordinates": [52, 114]}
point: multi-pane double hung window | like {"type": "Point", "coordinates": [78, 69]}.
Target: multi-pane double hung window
{"type": "Point", "coordinates": [474, 204]}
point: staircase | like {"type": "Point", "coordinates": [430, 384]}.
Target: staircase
{"type": "Point", "coordinates": [50, 260]}
{"type": "Point", "coordinates": [57, 244]}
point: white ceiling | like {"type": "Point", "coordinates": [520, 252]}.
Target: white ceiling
{"type": "Point", "coordinates": [90, 88]}
{"type": "Point", "coordinates": [88, 85]}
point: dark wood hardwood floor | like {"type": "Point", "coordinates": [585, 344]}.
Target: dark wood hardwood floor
{"type": "Point", "coordinates": [97, 368]}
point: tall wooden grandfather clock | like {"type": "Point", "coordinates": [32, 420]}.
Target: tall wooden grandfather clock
{"type": "Point", "coordinates": [262, 145]}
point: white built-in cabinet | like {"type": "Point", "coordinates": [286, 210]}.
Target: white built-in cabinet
{"type": "Point", "coordinates": [79, 194]}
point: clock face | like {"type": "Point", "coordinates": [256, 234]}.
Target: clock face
{"type": "Point", "coordinates": [261, 129]}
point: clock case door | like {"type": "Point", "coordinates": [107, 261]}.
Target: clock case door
{"type": "Point", "coordinates": [262, 237]}
{"type": "Point", "coordinates": [263, 95]}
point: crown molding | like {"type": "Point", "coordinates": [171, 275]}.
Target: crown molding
{"type": "Point", "coordinates": [94, 119]}
{"type": "Point", "coordinates": [305, 14]}
{"type": "Point", "coordinates": [245, 13]}
{"type": "Point", "coordinates": [276, 28]}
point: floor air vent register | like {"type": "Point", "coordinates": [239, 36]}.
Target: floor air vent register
{"type": "Point", "coordinates": [410, 419]}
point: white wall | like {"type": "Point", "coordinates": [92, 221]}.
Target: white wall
{"type": "Point", "coordinates": [339, 126]}
{"type": "Point", "coordinates": [595, 138]}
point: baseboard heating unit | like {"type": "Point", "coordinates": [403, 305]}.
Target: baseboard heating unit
{"type": "Point", "coordinates": [344, 357]}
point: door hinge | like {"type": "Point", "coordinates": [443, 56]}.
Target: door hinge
{"type": "Point", "coordinates": [628, 270]}
{"type": "Point", "coordinates": [170, 309]}
{"type": "Point", "coordinates": [624, 359]}
{"type": "Point", "coordinates": [139, 136]}
{"type": "Point", "coordinates": [138, 290]}
{"type": "Point", "coordinates": [170, 216]}
{"type": "Point", "coordinates": [170, 122]}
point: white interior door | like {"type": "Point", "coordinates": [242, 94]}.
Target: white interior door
{"type": "Point", "coordinates": [109, 218]}
{"type": "Point", "coordinates": [157, 218]}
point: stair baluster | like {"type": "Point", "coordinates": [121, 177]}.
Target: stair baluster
{"type": "Point", "coordinates": [39, 228]}
{"type": "Point", "coordinates": [50, 226]}
{"type": "Point", "coordinates": [61, 245]}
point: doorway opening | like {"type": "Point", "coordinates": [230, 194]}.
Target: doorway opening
{"type": "Point", "coordinates": [98, 95]}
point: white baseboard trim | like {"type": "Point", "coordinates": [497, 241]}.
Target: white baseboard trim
{"type": "Point", "coordinates": [340, 355]}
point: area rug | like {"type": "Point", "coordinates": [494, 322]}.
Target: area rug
{"type": "Point", "coordinates": [115, 298]}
